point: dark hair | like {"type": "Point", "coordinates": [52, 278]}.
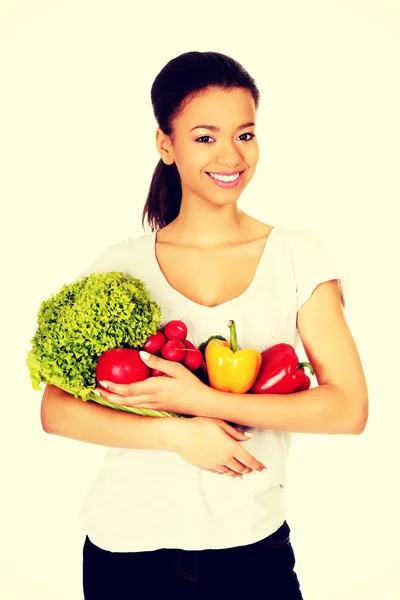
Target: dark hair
{"type": "Point", "coordinates": [178, 82]}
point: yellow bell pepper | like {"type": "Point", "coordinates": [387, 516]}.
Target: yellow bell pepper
{"type": "Point", "coordinates": [230, 369]}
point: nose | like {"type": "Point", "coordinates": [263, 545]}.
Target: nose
{"type": "Point", "coordinates": [229, 155]}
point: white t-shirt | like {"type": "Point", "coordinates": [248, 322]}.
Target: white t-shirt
{"type": "Point", "coordinates": [151, 499]}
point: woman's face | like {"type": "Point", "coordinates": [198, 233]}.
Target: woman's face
{"type": "Point", "coordinates": [215, 133]}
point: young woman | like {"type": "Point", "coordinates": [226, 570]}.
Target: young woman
{"type": "Point", "coordinates": [195, 508]}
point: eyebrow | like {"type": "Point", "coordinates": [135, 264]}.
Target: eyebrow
{"type": "Point", "coordinates": [214, 128]}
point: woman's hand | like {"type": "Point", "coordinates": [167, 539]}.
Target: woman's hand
{"type": "Point", "coordinates": [209, 444]}
{"type": "Point", "coordinates": [181, 392]}
{"type": "Point", "coordinates": [212, 445]}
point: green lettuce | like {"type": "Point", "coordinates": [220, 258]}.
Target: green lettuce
{"type": "Point", "coordinates": [81, 322]}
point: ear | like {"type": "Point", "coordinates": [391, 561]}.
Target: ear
{"type": "Point", "coordinates": [164, 147]}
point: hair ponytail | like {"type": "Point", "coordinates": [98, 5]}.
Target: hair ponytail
{"type": "Point", "coordinates": [163, 201]}
{"type": "Point", "coordinates": [179, 81]}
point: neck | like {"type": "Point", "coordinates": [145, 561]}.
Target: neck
{"type": "Point", "coordinates": [202, 223]}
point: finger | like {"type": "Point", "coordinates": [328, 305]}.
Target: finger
{"type": "Point", "coordinates": [133, 401]}
{"type": "Point", "coordinates": [109, 396]}
{"type": "Point", "coordinates": [242, 468]}
{"type": "Point", "coordinates": [140, 402]}
{"type": "Point", "coordinates": [238, 466]}
{"type": "Point", "coordinates": [144, 403]}
{"type": "Point", "coordinates": [169, 367]}
{"type": "Point", "coordinates": [225, 470]}
{"type": "Point", "coordinates": [249, 460]}
{"type": "Point", "coordinates": [236, 434]}
{"type": "Point", "coordinates": [216, 472]}
{"type": "Point", "coordinates": [129, 389]}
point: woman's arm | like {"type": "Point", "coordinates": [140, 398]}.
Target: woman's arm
{"type": "Point", "coordinates": [208, 444]}
{"type": "Point", "coordinates": [63, 414]}
{"type": "Point", "coordinates": [338, 405]}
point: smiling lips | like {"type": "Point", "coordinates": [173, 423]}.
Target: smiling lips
{"type": "Point", "coordinates": [228, 180]}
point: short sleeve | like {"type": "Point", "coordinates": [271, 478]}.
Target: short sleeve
{"type": "Point", "coordinates": [115, 258]}
{"type": "Point", "coordinates": [314, 264]}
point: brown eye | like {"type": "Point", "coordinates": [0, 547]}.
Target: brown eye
{"type": "Point", "coordinates": [202, 138]}
{"type": "Point", "coordinates": [252, 135]}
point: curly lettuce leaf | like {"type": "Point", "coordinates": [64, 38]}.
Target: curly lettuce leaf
{"type": "Point", "coordinates": [81, 322]}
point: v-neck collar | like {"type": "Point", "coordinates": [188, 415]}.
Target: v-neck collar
{"type": "Point", "coordinates": [240, 298]}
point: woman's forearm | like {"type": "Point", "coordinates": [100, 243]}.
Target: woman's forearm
{"type": "Point", "coordinates": [67, 416]}
{"type": "Point", "coordinates": [323, 409]}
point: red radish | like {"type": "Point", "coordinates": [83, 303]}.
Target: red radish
{"type": "Point", "coordinates": [173, 350]}
{"type": "Point", "coordinates": [121, 365]}
{"type": "Point", "coordinates": [193, 357]}
{"type": "Point", "coordinates": [154, 343]}
{"type": "Point", "coordinates": [157, 373]}
{"type": "Point", "coordinates": [189, 344]}
{"type": "Point", "coordinates": [175, 330]}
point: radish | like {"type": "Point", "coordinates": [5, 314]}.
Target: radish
{"type": "Point", "coordinates": [158, 373]}
{"type": "Point", "coordinates": [193, 357]}
{"type": "Point", "coordinates": [121, 365]}
{"type": "Point", "coordinates": [154, 343]}
{"type": "Point", "coordinates": [173, 350]}
{"type": "Point", "coordinates": [175, 330]}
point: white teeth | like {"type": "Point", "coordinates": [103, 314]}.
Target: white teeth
{"type": "Point", "coordinates": [225, 177]}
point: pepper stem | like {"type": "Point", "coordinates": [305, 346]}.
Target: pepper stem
{"type": "Point", "coordinates": [306, 364]}
{"type": "Point", "coordinates": [233, 338]}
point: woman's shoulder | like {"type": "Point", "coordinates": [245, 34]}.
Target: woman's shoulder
{"type": "Point", "coordinates": [314, 261]}
{"type": "Point", "coordinates": [292, 235]}
{"type": "Point", "coordinates": [121, 255]}
{"type": "Point", "coordinates": [304, 240]}
{"type": "Point", "coordinates": [130, 244]}
{"type": "Point", "coordinates": [299, 237]}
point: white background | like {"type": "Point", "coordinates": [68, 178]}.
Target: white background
{"type": "Point", "coordinates": [77, 152]}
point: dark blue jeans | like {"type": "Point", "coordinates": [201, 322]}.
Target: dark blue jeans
{"type": "Point", "coordinates": [265, 569]}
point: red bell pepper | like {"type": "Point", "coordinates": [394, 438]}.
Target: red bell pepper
{"type": "Point", "coordinates": [281, 372]}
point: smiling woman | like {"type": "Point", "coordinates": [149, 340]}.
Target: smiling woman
{"type": "Point", "coordinates": [174, 508]}
{"type": "Point", "coordinates": [231, 179]}
{"type": "Point", "coordinates": [228, 158]}
{"type": "Point", "coordinates": [201, 92]}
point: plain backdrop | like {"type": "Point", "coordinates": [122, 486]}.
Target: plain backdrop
{"type": "Point", "coordinates": [77, 152]}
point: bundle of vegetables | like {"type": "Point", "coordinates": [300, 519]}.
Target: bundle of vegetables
{"type": "Point", "coordinates": [82, 322]}
{"type": "Point", "coordinates": [124, 365]}
{"type": "Point", "coordinates": [276, 370]}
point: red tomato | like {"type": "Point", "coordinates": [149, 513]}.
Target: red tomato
{"type": "Point", "coordinates": [121, 365]}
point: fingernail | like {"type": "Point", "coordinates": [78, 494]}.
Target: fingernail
{"type": "Point", "coordinates": [104, 384]}
{"type": "Point", "coordinates": [96, 392]}
{"type": "Point", "coordinates": [144, 355]}
{"type": "Point", "coordinates": [248, 435]}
